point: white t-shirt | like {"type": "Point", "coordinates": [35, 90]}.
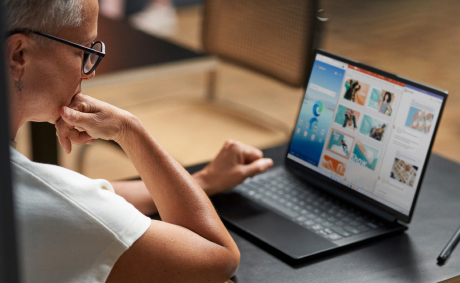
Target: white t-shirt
{"type": "Point", "coordinates": [70, 228]}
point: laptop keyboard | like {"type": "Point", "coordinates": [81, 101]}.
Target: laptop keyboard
{"type": "Point", "coordinates": [307, 206]}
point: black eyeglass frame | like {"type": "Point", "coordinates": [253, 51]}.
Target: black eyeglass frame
{"type": "Point", "coordinates": [87, 50]}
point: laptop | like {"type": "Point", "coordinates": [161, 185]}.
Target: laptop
{"type": "Point", "coordinates": [354, 165]}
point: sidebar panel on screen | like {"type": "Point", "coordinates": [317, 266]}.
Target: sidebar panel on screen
{"type": "Point", "coordinates": [317, 110]}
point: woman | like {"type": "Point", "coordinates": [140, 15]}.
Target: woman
{"type": "Point", "coordinates": [352, 87]}
{"type": "Point", "coordinates": [350, 117]}
{"type": "Point", "coordinates": [385, 103]}
{"type": "Point", "coordinates": [377, 132]}
{"type": "Point", "coordinates": [74, 229]}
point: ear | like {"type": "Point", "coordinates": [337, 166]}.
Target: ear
{"type": "Point", "coordinates": [17, 53]}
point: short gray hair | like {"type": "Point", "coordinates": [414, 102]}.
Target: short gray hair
{"type": "Point", "coordinates": [47, 16]}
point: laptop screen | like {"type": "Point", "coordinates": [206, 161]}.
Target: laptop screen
{"type": "Point", "coordinates": [366, 129]}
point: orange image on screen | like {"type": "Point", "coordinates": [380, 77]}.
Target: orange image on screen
{"type": "Point", "coordinates": [356, 91]}
{"type": "Point", "coordinates": [334, 165]}
{"type": "Point", "coordinates": [362, 94]}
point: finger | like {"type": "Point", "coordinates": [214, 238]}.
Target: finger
{"type": "Point", "coordinates": [246, 153]}
{"type": "Point", "coordinates": [78, 102]}
{"type": "Point", "coordinates": [62, 132]}
{"type": "Point", "coordinates": [79, 137]}
{"type": "Point", "coordinates": [83, 103]}
{"type": "Point", "coordinates": [65, 143]}
{"type": "Point", "coordinates": [251, 154]}
{"type": "Point", "coordinates": [72, 117]}
{"type": "Point", "coordinates": [83, 143]}
{"type": "Point", "coordinates": [62, 128]}
{"type": "Point", "coordinates": [257, 167]}
{"type": "Point", "coordinates": [80, 106]}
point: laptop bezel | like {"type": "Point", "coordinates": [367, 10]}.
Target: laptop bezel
{"type": "Point", "coordinates": [322, 182]}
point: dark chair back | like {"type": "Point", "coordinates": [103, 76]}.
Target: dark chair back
{"type": "Point", "coordinates": [274, 37]}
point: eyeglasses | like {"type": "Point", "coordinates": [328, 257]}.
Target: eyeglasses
{"type": "Point", "coordinates": [91, 57]}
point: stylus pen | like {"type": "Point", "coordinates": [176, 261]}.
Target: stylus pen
{"type": "Point", "coordinates": [449, 247]}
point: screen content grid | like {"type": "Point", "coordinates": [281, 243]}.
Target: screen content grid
{"type": "Point", "coordinates": [365, 131]}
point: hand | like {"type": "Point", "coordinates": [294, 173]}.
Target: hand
{"type": "Point", "coordinates": [67, 134]}
{"type": "Point", "coordinates": [87, 119]}
{"type": "Point", "coordinates": [235, 162]}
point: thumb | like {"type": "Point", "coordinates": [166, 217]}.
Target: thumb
{"type": "Point", "coordinates": [257, 167]}
{"type": "Point", "coordinates": [73, 117]}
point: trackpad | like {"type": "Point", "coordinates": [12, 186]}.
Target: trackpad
{"type": "Point", "coordinates": [273, 229]}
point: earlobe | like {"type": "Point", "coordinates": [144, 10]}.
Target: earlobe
{"type": "Point", "coordinates": [18, 84]}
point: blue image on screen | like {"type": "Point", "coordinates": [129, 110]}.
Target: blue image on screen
{"type": "Point", "coordinates": [317, 108]}
{"type": "Point", "coordinates": [316, 112]}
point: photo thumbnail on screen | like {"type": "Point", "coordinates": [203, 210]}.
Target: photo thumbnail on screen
{"type": "Point", "coordinates": [347, 117]}
{"type": "Point", "coordinates": [382, 101]}
{"type": "Point", "coordinates": [373, 127]}
{"type": "Point", "coordinates": [404, 172]}
{"type": "Point", "coordinates": [356, 91]}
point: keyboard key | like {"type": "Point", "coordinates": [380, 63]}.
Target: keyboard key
{"type": "Point", "coordinates": [346, 219]}
{"type": "Point", "coordinates": [316, 227]}
{"type": "Point", "coordinates": [340, 231]}
{"type": "Point", "coordinates": [355, 223]}
{"type": "Point", "coordinates": [372, 225]}
{"type": "Point", "coordinates": [301, 219]}
{"type": "Point", "coordinates": [331, 219]}
{"type": "Point", "coordinates": [318, 219]}
{"type": "Point", "coordinates": [351, 229]}
{"type": "Point", "coordinates": [334, 236]}
{"type": "Point", "coordinates": [363, 228]}
{"type": "Point", "coordinates": [326, 224]}
{"type": "Point", "coordinates": [288, 212]}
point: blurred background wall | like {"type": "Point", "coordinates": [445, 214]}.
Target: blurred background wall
{"type": "Point", "coordinates": [417, 39]}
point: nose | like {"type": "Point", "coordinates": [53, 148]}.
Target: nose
{"type": "Point", "coordinates": [87, 77]}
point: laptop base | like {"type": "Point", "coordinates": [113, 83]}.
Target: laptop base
{"type": "Point", "coordinates": [280, 236]}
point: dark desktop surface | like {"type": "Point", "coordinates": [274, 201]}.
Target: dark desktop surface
{"type": "Point", "coordinates": [405, 257]}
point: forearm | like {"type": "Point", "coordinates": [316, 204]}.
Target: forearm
{"type": "Point", "coordinates": [190, 231]}
{"type": "Point", "coordinates": [178, 198]}
{"type": "Point", "coordinates": [136, 193]}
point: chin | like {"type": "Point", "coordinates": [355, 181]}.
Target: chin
{"type": "Point", "coordinates": [55, 118]}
